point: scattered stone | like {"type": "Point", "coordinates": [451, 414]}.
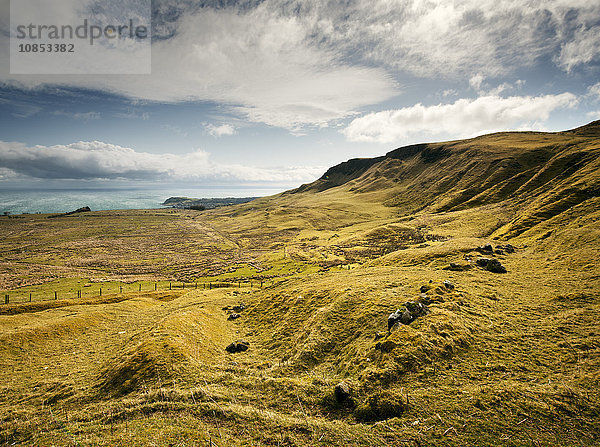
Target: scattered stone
{"type": "Point", "coordinates": [448, 285]}
{"type": "Point", "coordinates": [401, 315]}
{"type": "Point", "coordinates": [425, 288]}
{"type": "Point", "coordinates": [237, 346]}
{"type": "Point", "coordinates": [225, 308]}
{"type": "Point", "coordinates": [483, 262]}
{"type": "Point", "coordinates": [407, 313]}
{"type": "Point", "coordinates": [508, 248]}
{"type": "Point", "coordinates": [491, 265]}
{"type": "Point", "coordinates": [487, 248]}
{"type": "Point", "coordinates": [495, 266]}
{"type": "Point", "coordinates": [416, 308]}
{"type": "Point", "coordinates": [233, 316]}
{"type": "Point", "coordinates": [342, 393]}
{"type": "Point", "coordinates": [240, 307]}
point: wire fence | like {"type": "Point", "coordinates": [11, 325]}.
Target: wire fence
{"type": "Point", "coordinates": [112, 289]}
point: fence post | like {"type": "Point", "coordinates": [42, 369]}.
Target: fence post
{"type": "Point", "coordinates": [209, 285]}
{"type": "Point", "coordinates": [100, 291]}
{"type": "Point", "coordinates": [30, 297]}
{"type": "Point", "coordinates": [155, 286]}
{"type": "Point", "coordinates": [261, 283]}
{"type": "Point", "coordinates": [140, 287]}
{"type": "Point", "coordinates": [6, 299]}
{"type": "Point", "coordinates": [55, 295]}
{"type": "Point", "coordinates": [196, 285]}
{"type": "Point", "coordinates": [183, 285]}
{"type": "Point", "coordinates": [170, 287]}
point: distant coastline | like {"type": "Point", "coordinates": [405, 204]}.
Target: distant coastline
{"type": "Point", "coordinates": [63, 201]}
{"type": "Point", "coordinates": [205, 203]}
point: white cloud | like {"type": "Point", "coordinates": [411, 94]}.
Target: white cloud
{"type": "Point", "coordinates": [219, 131]}
{"type": "Point", "coordinates": [449, 92]}
{"type": "Point", "coordinates": [594, 115]}
{"type": "Point", "coordinates": [475, 81]}
{"type": "Point", "coordinates": [260, 62]}
{"type": "Point", "coordinates": [83, 116]}
{"type": "Point", "coordinates": [594, 91]}
{"type": "Point", "coordinates": [98, 160]}
{"type": "Point", "coordinates": [454, 38]}
{"type": "Point", "coordinates": [302, 63]}
{"type": "Point", "coordinates": [465, 117]}
{"type": "Point", "coordinates": [582, 49]}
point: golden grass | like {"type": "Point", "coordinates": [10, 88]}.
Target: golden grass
{"type": "Point", "coordinates": [501, 359]}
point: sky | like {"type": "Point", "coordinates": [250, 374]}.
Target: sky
{"type": "Point", "coordinates": [273, 92]}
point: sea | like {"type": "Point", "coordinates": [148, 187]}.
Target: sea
{"type": "Point", "coordinates": [62, 201]}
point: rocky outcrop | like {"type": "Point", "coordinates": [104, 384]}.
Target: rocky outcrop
{"type": "Point", "coordinates": [343, 393]}
{"type": "Point", "coordinates": [491, 265]}
{"type": "Point", "coordinates": [83, 209]}
{"type": "Point", "coordinates": [238, 346]}
{"type": "Point", "coordinates": [407, 313]}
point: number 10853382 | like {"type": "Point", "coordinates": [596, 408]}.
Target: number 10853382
{"type": "Point", "coordinates": [46, 48]}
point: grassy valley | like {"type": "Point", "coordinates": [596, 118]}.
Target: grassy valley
{"type": "Point", "coordinates": [498, 359]}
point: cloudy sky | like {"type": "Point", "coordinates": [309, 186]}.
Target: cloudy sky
{"type": "Point", "coordinates": [275, 91]}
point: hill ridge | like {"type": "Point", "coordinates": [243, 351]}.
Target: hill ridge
{"type": "Point", "coordinates": [539, 174]}
{"type": "Point", "coordinates": [353, 168]}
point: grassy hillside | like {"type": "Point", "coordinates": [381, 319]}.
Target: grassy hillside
{"type": "Point", "coordinates": [499, 359]}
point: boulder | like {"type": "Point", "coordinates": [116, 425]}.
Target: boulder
{"type": "Point", "coordinates": [416, 308]}
{"type": "Point", "coordinates": [237, 346]}
{"type": "Point", "coordinates": [448, 285]}
{"type": "Point", "coordinates": [495, 266]}
{"type": "Point", "coordinates": [483, 262]}
{"type": "Point", "coordinates": [507, 248]}
{"type": "Point", "coordinates": [487, 248]}
{"type": "Point", "coordinates": [407, 313]}
{"type": "Point", "coordinates": [491, 265]}
{"type": "Point", "coordinates": [240, 307]}
{"type": "Point", "coordinates": [342, 393]}
{"type": "Point", "coordinates": [233, 316]}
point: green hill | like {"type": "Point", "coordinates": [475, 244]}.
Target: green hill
{"type": "Point", "coordinates": [497, 236]}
